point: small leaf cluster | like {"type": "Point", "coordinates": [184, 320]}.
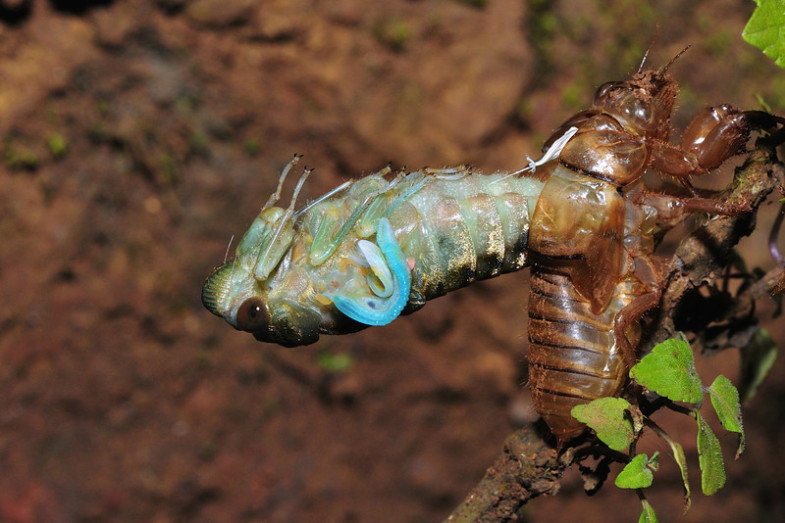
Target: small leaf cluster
{"type": "Point", "coordinates": [669, 371]}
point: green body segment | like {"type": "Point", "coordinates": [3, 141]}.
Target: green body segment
{"type": "Point", "coordinates": [460, 231]}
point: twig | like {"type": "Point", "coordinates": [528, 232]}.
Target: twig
{"type": "Point", "coordinates": [527, 467]}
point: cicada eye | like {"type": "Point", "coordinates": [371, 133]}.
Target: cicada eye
{"type": "Point", "coordinates": [253, 316]}
{"type": "Point", "coordinates": [604, 90]}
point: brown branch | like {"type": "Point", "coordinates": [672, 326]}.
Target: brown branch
{"type": "Point", "coordinates": [529, 465]}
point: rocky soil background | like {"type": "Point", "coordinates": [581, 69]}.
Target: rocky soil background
{"type": "Point", "coordinates": [137, 136]}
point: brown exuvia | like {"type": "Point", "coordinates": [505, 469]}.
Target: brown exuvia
{"type": "Point", "coordinates": [594, 273]}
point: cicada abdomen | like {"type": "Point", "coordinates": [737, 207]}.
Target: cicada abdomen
{"type": "Point", "coordinates": [574, 356]}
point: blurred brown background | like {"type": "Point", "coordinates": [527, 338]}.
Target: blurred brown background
{"type": "Point", "coordinates": [138, 136]}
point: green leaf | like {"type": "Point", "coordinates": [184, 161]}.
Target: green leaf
{"type": "Point", "coordinates": [766, 29]}
{"type": "Point", "coordinates": [606, 417]}
{"type": "Point", "coordinates": [636, 474]}
{"type": "Point", "coordinates": [647, 515]}
{"type": "Point", "coordinates": [669, 370]}
{"type": "Point", "coordinates": [757, 358]}
{"type": "Point", "coordinates": [709, 458]}
{"type": "Point", "coordinates": [681, 461]}
{"type": "Point", "coordinates": [725, 400]}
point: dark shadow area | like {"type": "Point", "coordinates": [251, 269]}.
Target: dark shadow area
{"type": "Point", "coordinates": [14, 13]}
{"type": "Point", "coordinates": [78, 7]}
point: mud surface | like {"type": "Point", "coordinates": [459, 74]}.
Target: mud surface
{"type": "Point", "coordinates": [138, 136]}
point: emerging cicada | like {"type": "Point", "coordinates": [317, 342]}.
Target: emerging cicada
{"type": "Point", "coordinates": [383, 245]}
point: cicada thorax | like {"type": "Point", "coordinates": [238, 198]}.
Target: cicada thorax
{"type": "Point", "coordinates": [578, 227]}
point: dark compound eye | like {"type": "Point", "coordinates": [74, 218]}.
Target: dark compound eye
{"type": "Point", "coordinates": [252, 315]}
{"type": "Point", "coordinates": [605, 89]}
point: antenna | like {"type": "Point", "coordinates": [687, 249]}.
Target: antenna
{"type": "Point", "coordinates": [651, 44]}
{"type": "Point", "coordinates": [667, 66]}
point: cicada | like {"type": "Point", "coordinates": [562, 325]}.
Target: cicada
{"type": "Point", "coordinates": [581, 218]}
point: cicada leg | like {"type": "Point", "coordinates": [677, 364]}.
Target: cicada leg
{"type": "Point", "coordinates": [324, 244]}
{"type": "Point", "coordinates": [628, 317]}
{"type": "Point", "coordinates": [374, 194]}
{"type": "Point", "coordinates": [672, 210]}
{"type": "Point", "coordinates": [714, 135]}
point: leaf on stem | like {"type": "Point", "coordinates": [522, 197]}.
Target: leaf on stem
{"type": "Point", "coordinates": [681, 461]}
{"type": "Point", "coordinates": [709, 458]}
{"type": "Point", "coordinates": [757, 358]}
{"type": "Point", "coordinates": [606, 416]}
{"type": "Point", "coordinates": [725, 400]}
{"type": "Point", "coordinates": [647, 515]}
{"type": "Point", "coordinates": [638, 473]}
{"type": "Point", "coordinates": [669, 370]}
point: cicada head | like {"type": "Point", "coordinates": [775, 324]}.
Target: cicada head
{"type": "Point", "coordinates": [256, 292]}
{"type": "Point", "coordinates": [643, 103]}
{"type": "Point", "coordinates": [246, 291]}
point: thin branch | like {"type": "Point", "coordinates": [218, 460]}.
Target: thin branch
{"type": "Point", "coordinates": [529, 465]}
{"type": "Point", "coordinates": [702, 256]}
